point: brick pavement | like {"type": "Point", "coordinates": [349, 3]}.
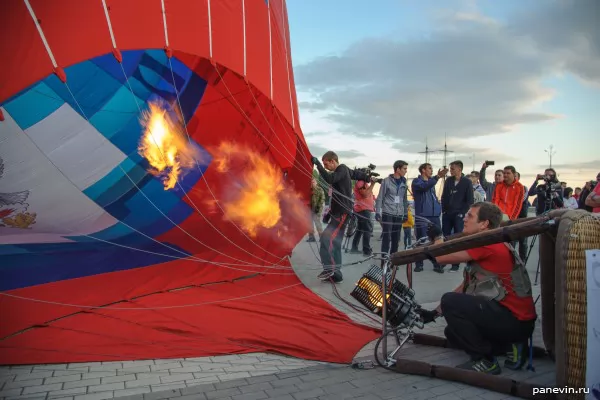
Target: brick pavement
{"type": "Point", "coordinates": [326, 382]}
{"type": "Point", "coordinates": [323, 382]}
{"type": "Point", "coordinates": [102, 380]}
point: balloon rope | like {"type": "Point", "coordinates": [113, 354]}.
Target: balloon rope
{"type": "Point", "coordinates": [179, 184]}
{"type": "Point", "coordinates": [208, 186]}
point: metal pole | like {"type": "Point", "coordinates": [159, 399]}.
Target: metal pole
{"type": "Point", "coordinates": [550, 152]}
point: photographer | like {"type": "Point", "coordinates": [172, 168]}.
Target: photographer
{"type": "Point", "coordinates": [341, 206]}
{"type": "Point", "coordinates": [392, 206]}
{"type": "Point", "coordinates": [427, 205]}
{"type": "Point", "coordinates": [490, 187]}
{"type": "Point", "coordinates": [549, 194]}
{"type": "Point", "coordinates": [492, 312]}
{"type": "Point", "coordinates": [363, 208]}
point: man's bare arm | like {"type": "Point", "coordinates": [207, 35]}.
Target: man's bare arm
{"type": "Point", "coordinates": [593, 200]}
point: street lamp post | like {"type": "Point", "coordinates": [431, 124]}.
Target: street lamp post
{"type": "Point", "coordinates": [550, 152]}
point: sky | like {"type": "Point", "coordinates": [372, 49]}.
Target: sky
{"type": "Point", "coordinates": [501, 80]}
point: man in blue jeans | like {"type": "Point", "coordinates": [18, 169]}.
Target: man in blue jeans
{"type": "Point", "coordinates": [457, 198]}
{"type": "Point", "coordinates": [427, 205]}
{"type": "Point", "coordinates": [340, 178]}
{"type": "Point", "coordinates": [391, 207]}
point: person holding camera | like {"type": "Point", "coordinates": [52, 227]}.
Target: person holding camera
{"type": "Point", "coordinates": [391, 207]}
{"type": "Point", "coordinates": [363, 208]}
{"type": "Point", "coordinates": [492, 311]}
{"type": "Point", "coordinates": [340, 179]}
{"type": "Point", "coordinates": [427, 205]}
{"type": "Point", "coordinates": [490, 187]}
{"type": "Point", "coordinates": [457, 197]}
{"type": "Point", "coordinates": [549, 194]}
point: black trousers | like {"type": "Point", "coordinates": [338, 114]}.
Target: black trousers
{"type": "Point", "coordinates": [481, 327]}
{"type": "Point", "coordinates": [452, 223]}
{"type": "Point", "coordinates": [392, 229]}
{"type": "Point", "coordinates": [364, 229]}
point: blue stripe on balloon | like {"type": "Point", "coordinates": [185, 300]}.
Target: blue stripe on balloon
{"type": "Point", "coordinates": [191, 96]}
{"type": "Point", "coordinates": [60, 261]}
{"type": "Point", "coordinates": [91, 86]}
{"type": "Point", "coordinates": [33, 105]}
{"type": "Point", "coordinates": [128, 137]}
{"type": "Point", "coordinates": [118, 111]}
{"type": "Point", "coordinates": [109, 63]}
{"type": "Point", "coordinates": [108, 189]}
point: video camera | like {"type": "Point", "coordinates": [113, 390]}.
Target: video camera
{"type": "Point", "coordinates": [552, 189]}
{"type": "Point", "coordinates": [368, 170]}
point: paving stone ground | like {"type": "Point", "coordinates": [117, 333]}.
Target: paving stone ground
{"type": "Point", "coordinates": [265, 376]}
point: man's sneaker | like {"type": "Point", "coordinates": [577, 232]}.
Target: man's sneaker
{"type": "Point", "coordinates": [325, 275]}
{"type": "Point", "coordinates": [454, 268]}
{"type": "Point", "coordinates": [483, 365]}
{"type": "Point", "coordinates": [516, 356]}
{"type": "Point", "coordinates": [418, 268]}
{"type": "Point", "coordinates": [337, 280]}
{"type": "Point", "coordinates": [439, 269]}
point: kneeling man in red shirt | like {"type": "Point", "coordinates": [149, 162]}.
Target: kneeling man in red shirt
{"type": "Point", "coordinates": [492, 312]}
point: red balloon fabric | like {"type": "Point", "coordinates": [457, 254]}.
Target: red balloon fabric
{"type": "Point", "coordinates": [106, 253]}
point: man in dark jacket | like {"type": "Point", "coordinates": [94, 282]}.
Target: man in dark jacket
{"type": "Point", "coordinates": [341, 207]}
{"type": "Point", "coordinates": [457, 198]}
{"type": "Point", "coordinates": [427, 205]}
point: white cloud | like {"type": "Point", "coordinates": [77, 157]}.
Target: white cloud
{"type": "Point", "coordinates": [471, 78]}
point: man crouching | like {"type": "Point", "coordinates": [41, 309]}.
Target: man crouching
{"type": "Point", "coordinates": [492, 312]}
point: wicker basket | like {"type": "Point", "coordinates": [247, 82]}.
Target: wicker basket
{"type": "Point", "coordinates": [578, 231]}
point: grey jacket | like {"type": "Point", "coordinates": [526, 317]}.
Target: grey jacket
{"type": "Point", "coordinates": [488, 186]}
{"type": "Point", "coordinates": [387, 194]}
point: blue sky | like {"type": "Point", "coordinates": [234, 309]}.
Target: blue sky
{"type": "Point", "coordinates": [503, 80]}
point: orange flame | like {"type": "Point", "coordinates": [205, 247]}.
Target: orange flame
{"type": "Point", "coordinates": [256, 203]}
{"type": "Point", "coordinates": [164, 145]}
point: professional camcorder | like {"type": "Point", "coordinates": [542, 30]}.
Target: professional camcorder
{"type": "Point", "coordinates": [369, 172]}
{"type": "Point", "coordinates": [551, 181]}
{"type": "Point", "coordinates": [551, 191]}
